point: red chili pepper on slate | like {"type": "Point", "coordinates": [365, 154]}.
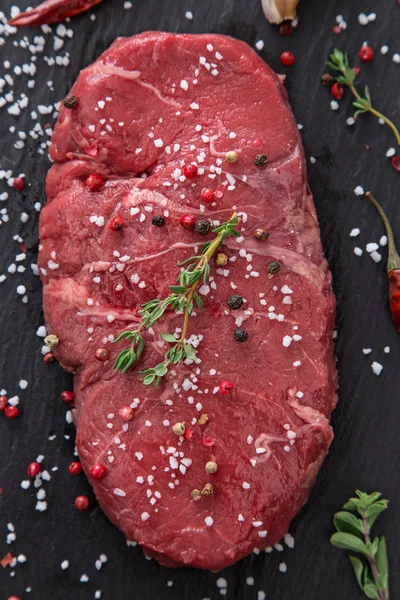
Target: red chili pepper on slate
{"type": "Point", "coordinates": [52, 11]}
{"type": "Point", "coordinates": [393, 264]}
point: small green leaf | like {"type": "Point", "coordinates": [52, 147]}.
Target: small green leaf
{"type": "Point", "coordinates": [338, 55]}
{"type": "Point", "coordinates": [125, 334]}
{"type": "Point", "coordinates": [348, 523]}
{"type": "Point", "coordinates": [347, 541]}
{"type": "Point", "coordinates": [148, 379]}
{"type": "Point", "coordinates": [192, 259]}
{"type": "Point", "coordinates": [333, 66]}
{"type": "Point", "coordinates": [370, 591]}
{"type": "Point", "coordinates": [182, 303]}
{"type": "Point", "coordinates": [382, 564]}
{"type": "Point", "coordinates": [374, 497]}
{"type": "Point", "coordinates": [372, 547]}
{"type": "Point", "coordinates": [368, 97]}
{"type": "Point", "coordinates": [161, 369]}
{"type": "Point", "coordinates": [207, 271]}
{"type": "Point", "coordinates": [350, 75]}
{"type": "Point", "coordinates": [168, 337]}
{"type": "Point", "coordinates": [129, 362]}
{"type": "Point", "coordinates": [189, 351]}
{"type": "Point", "coordinates": [342, 80]}
{"type": "Point", "coordinates": [178, 356]}
{"type": "Point", "coordinates": [363, 105]}
{"type": "Point", "coordinates": [177, 289]}
{"type": "Point", "coordinates": [140, 347]}
{"type": "Point", "coordinates": [352, 504]}
{"type": "Point", "coordinates": [358, 567]}
{"type": "Point", "coordinates": [198, 301]}
{"type": "Point", "coordinates": [205, 247]}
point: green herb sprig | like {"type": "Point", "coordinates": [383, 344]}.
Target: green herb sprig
{"type": "Point", "coordinates": [340, 62]}
{"type": "Point", "coordinates": [354, 534]}
{"type": "Point", "coordinates": [182, 299]}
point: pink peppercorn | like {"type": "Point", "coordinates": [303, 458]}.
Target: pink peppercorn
{"type": "Point", "coordinates": [225, 387]}
{"type": "Point", "coordinates": [11, 412]}
{"type": "Point", "coordinates": [287, 59]}
{"type": "Point", "coordinates": [366, 54]}
{"type": "Point", "coordinates": [98, 472]}
{"type": "Point", "coordinates": [190, 171]}
{"type": "Point", "coordinates": [94, 182]}
{"type": "Point", "coordinates": [18, 184]}
{"type": "Point", "coordinates": [33, 469]}
{"type": "Point", "coordinates": [188, 221]}
{"type": "Point", "coordinates": [81, 503]}
{"type": "Point", "coordinates": [75, 468]}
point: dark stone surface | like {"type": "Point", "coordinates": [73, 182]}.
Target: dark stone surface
{"type": "Point", "coordinates": [366, 451]}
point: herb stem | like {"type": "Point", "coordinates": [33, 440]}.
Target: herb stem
{"type": "Point", "coordinates": [369, 108]}
{"type": "Point", "coordinates": [382, 594]}
{"type": "Point", "coordinates": [388, 122]}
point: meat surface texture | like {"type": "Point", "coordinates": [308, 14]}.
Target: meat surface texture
{"type": "Point", "coordinates": [148, 106]}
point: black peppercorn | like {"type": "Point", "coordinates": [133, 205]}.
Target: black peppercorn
{"type": "Point", "coordinates": [273, 267]}
{"type": "Point", "coordinates": [260, 160]}
{"type": "Point", "coordinates": [261, 234]}
{"type": "Point", "coordinates": [240, 335]}
{"type": "Point", "coordinates": [202, 226]}
{"type": "Point", "coordinates": [235, 302]}
{"type": "Point", "coordinates": [158, 221]}
{"type": "Point", "coordinates": [327, 80]}
{"type": "Point", "coordinates": [70, 101]}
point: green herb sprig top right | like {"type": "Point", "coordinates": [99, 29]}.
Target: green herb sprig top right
{"type": "Point", "coordinates": [339, 62]}
{"type": "Point", "coordinates": [354, 534]}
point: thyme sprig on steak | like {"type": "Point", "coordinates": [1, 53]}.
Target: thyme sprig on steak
{"type": "Point", "coordinates": [182, 299]}
{"type": "Point", "coordinates": [354, 534]}
{"type": "Point", "coordinates": [339, 61]}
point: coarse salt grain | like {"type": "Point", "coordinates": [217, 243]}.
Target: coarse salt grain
{"type": "Point", "coordinates": [208, 521]}
{"type": "Point", "coordinates": [359, 191]}
{"type": "Point", "coordinates": [354, 232]}
{"type": "Point", "coordinates": [377, 368]}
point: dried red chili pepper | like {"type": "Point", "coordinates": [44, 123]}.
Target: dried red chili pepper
{"type": "Point", "coordinates": [52, 11]}
{"type": "Point", "coordinates": [393, 264]}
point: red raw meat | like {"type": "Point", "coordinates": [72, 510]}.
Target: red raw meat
{"type": "Point", "coordinates": [147, 107]}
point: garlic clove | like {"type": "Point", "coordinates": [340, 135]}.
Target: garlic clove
{"type": "Point", "coordinates": [277, 11]}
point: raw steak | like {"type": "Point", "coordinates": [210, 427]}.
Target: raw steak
{"type": "Point", "coordinates": [148, 106]}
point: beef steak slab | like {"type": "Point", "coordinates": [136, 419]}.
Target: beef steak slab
{"type": "Point", "coordinates": [150, 105]}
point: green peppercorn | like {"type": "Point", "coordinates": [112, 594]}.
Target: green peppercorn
{"type": "Point", "coordinates": [195, 494]}
{"type": "Point", "coordinates": [260, 160]}
{"type": "Point", "coordinates": [274, 267]}
{"type": "Point", "coordinates": [240, 335]}
{"type": "Point", "coordinates": [207, 490]}
{"type": "Point", "coordinates": [158, 221]}
{"type": "Point", "coordinates": [202, 226]}
{"type": "Point", "coordinates": [70, 101]}
{"type": "Point", "coordinates": [235, 302]}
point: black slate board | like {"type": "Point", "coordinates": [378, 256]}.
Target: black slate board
{"type": "Point", "coordinates": [366, 450]}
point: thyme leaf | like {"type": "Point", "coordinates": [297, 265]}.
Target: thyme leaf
{"type": "Point", "coordinates": [354, 534]}
{"type": "Point", "coordinates": [338, 61]}
{"type": "Point", "coordinates": [182, 299]}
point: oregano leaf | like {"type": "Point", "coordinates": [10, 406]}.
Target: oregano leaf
{"type": "Point", "coordinates": [358, 567]}
{"type": "Point", "coordinates": [348, 523]}
{"type": "Point", "coordinates": [347, 541]}
{"type": "Point", "coordinates": [382, 564]}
